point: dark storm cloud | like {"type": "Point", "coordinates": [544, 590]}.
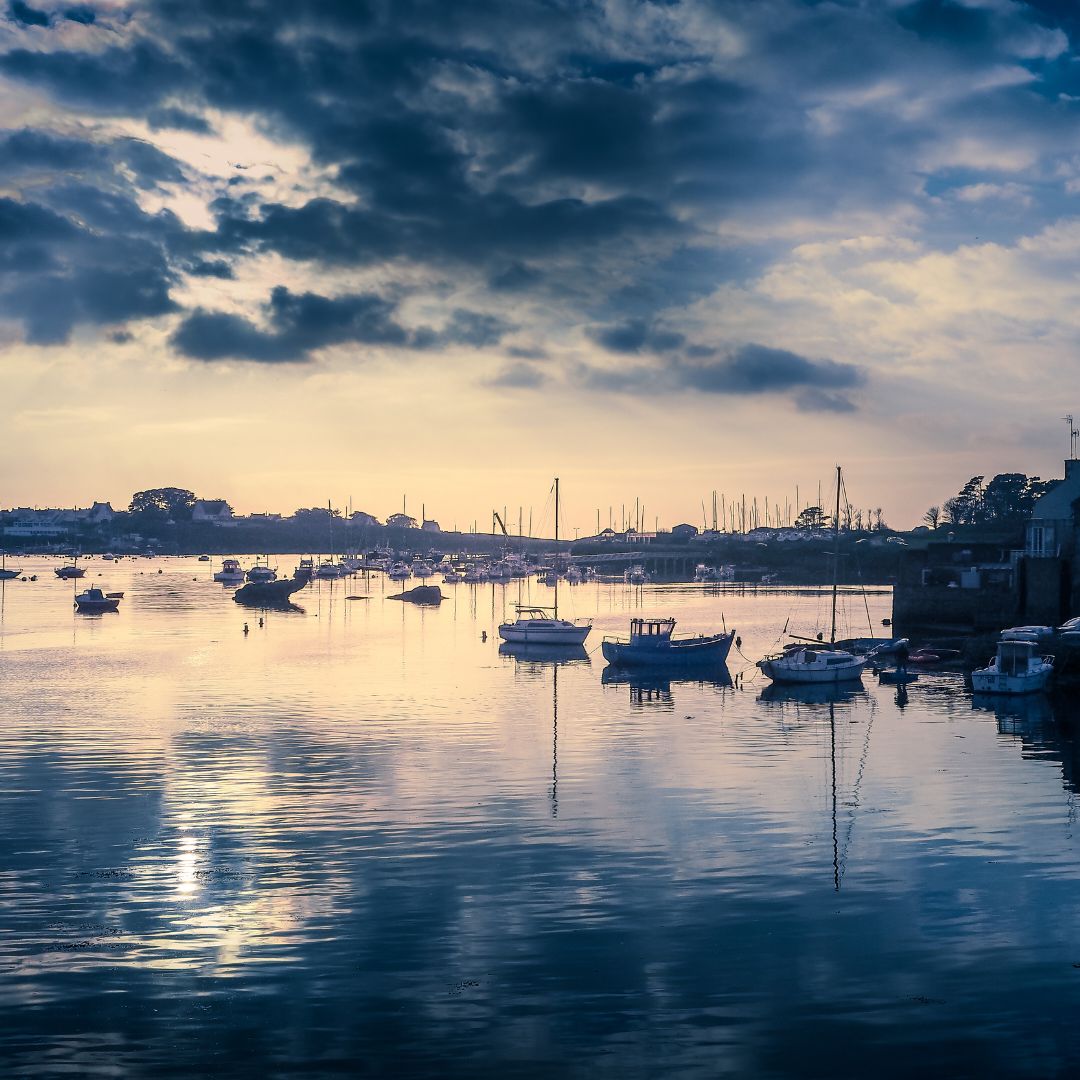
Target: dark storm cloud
{"type": "Point", "coordinates": [300, 324]}
{"type": "Point", "coordinates": [815, 385]}
{"type": "Point", "coordinates": [548, 152]}
{"type": "Point", "coordinates": [81, 13]}
{"type": "Point", "coordinates": [637, 335]}
{"type": "Point", "coordinates": [26, 15]}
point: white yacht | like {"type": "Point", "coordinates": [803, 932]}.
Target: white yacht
{"type": "Point", "coordinates": [399, 571]}
{"type": "Point", "coordinates": [813, 662]}
{"type": "Point", "coordinates": [534, 626]}
{"type": "Point", "coordinates": [1016, 668]}
{"type": "Point", "coordinates": [636, 575]}
{"type": "Point", "coordinates": [231, 572]}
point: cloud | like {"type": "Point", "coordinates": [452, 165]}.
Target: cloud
{"type": "Point", "coordinates": [298, 324]}
{"type": "Point", "coordinates": [635, 336]}
{"type": "Point", "coordinates": [26, 15]}
{"type": "Point", "coordinates": [518, 375]}
{"type": "Point", "coordinates": [750, 370]}
{"type": "Point", "coordinates": [640, 177]}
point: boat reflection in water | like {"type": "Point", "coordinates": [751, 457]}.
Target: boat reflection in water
{"type": "Point", "coordinates": [813, 693]}
{"type": "Point", "coordinates": [652, 686]}
{"type": "Point", "coordinates": [1029, 710]}
{"type": "Point", "coordinates": [544, 655]}
{"type": "Point", "coordinates": [534, 660]}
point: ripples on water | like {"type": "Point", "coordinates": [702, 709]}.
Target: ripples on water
{"type": "Point", "coordinates": [362, 840]}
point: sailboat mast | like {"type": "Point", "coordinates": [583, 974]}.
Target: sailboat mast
{"type": "Point", "coordinates": [556, 547]}
{"type": "Point", "coordinates": [836, 557]}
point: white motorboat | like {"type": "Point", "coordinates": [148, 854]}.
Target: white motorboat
{"type": "Point", "coordinates": [399, 571]}
{"type": "Point", "coordinates": [330, 571]}
{"type": "Point", "coordinates": [817, 662]}
{"type": "Point", "coordinates": [451, 577]}
{"type": "Point", "coordinates": [636, 575]}
{"type": "Point", "coordinates": [1017, 668]}
{"type": "Point", "coordinates": [423, 569]}
{"type": "Point", "coordinates": [534, 626]}
{"type": "Point", "coordinates": [231, 572]}
{"type": "Point", "coordinates": [810, 660]}
{"type": "Point", "coordinates": [94, 600]}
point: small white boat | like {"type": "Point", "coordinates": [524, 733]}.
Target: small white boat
{"type": "Point", "coordinates": [423, 569]}
{"type": "Point", "coordinates": [93, 600]}
{"type": "Point", "coordinates": [330, 571]}
{"type": "Point", "coordinates": [231, 572]}
{"type": "Point", "coordinates": [536, 627]}
{"type": "Point", "coordinates": [1016, 668]}
{"type": "Point", "coordinates": [818, 662]}
{"type": "Point", "coordinates": [399, 572]}
{"type": "Point", "coordinates": [636, 575]}
{"type": "Point", "coordinates": [451, 577]}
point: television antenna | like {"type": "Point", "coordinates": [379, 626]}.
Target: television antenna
{"type": "Point", "coordinates": [1073, 434]}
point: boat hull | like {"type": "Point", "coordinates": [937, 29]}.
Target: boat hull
{"type": "Point", "coordinates": [92, 607]}
{"type": "Point", "coordinates": [712, 649]}
{"type": "Point", "coordinates": [555, 635]}
{"type": "Point", "coordinates": [988, 681]}
{"type": "Point", "coordinates": [808, 675]}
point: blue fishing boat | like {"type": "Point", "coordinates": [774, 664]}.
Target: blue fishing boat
{"type": "Point", "coordinates": [651, 643]}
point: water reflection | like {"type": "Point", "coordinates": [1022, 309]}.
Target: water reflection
{"type": "Point", "coordinates": [652, 686]}
{"type": "Point", "coordinates": [526, 654]}
{"type": "Point", "coordinates": [365, 840]}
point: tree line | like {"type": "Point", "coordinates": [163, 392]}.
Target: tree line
{"type": "Point", "coordinates": [1007, 498]}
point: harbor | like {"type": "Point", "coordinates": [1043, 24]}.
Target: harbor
{"type": "Point", "coordinates": [260, 819]}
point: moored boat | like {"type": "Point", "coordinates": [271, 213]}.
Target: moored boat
{"type": "Point", "coordinates": [813, 661]}
{"type": "Point", "coordinates": [534, 626]}
{"type": "Point", "coordinates": [94, 600]}
{"type": "Point", "coordinates": [231, 572]}
{"type": "Point", "coordinates": [1017, 668]}
{"type": "Point", "coordinates": [651, 643]}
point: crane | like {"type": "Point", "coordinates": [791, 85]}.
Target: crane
{"type": "Point", "coordinates": [495, 518]}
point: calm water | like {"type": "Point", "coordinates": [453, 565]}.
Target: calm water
{"type": "Point", "coordinates": [358, 840]}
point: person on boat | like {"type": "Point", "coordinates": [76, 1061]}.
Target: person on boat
{"type": "Point", "coordinates": [902, 658]}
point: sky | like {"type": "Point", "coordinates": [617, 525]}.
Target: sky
{"type": "Point", "coordinates": [387, 250]}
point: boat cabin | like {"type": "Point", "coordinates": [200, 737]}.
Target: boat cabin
{"type": "Point", "coordinates": [1015, 657]}
{"type": "Point", "coordinates": [537, 613]}
{"type": "Point", "coordinates": [651, 632]}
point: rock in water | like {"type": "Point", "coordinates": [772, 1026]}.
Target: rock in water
{"type": "Point", "coordinates": [422, 594]}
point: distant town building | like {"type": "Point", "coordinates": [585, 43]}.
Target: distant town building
{"type": "Point", "coordinates": [684, 532]}
{"type": "Point", "coordinates": [430, 526]}
{"type": "Point", "coordinates": [212, 512]}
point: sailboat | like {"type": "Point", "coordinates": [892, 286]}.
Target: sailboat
{"type": "Point", "coordinates": [808, 660]}
{"type": "Point", "coordinates": [534, 626]}
{"type": "Point", "coordinates": [72, 571]}
{"type": "Point", "coordinates": [328, 569]}
{"type": "Point", "coordinates": [5, 573]}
